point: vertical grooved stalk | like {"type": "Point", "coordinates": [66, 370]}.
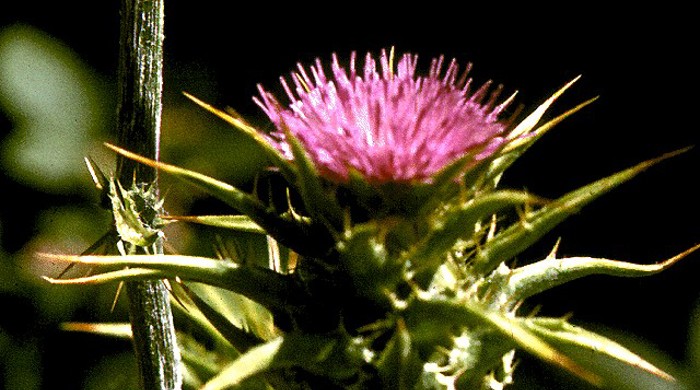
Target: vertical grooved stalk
{"type": "Point", "coordinates": [140, 83]}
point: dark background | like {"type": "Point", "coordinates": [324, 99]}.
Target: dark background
{"type": "Point", "coordinates": [638, 60]}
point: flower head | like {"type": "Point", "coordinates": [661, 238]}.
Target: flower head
{"type": "Point", "coordinates": [388, 125]}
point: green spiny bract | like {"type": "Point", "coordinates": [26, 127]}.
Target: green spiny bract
{"type": "Point", "coordinates": [383, 286]}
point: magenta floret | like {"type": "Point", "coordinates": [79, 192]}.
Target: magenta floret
{"type": "Point", "coordinates": [389, 126]}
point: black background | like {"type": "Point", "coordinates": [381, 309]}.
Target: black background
{"type": "Point", "coordinates": [638, 60]}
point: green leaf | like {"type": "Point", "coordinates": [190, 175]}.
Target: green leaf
{"type": "Point", "coordinates": [130, 209]}
{"type": "Point", "coordinates": [516, 148]}
{"type": "Point", "coordinates": [257, 360]}
{"type": "Point", "coordinates": [399, 365]}
{"type": "Point", "coordinates": [226, 192]}
{"type": "Point", "coordinates": [429, 321]}
{"type": "Point", "coordinates": [424, 198]}
{"type": "Point", "coordinates": [492, 356]}
{"type": "Point", "coordinates": [241, 223]}
{"type": "Point", "coordinates": [293, 233]}
{"type": "Point", "coordinates": [271, 289]}
{"type": "Point", "coordinates": [197, 323]}
{"type": "Point", "coordinates": [325, 355]}
{"type": "Point", "coordinates": [527, 124]}
{"type": "Point", "coordinates": [319, 204]}
{"type": "Point", "coordinates": [486, 174]}
{"type": "Point", "coordinates": [543, 275]}
{"type": "Point", "coordinates": [124, 275]}
{"type": "Point", "coordinates": [694, 345]}
{"type": "Point", "coordinates": [459, 223]}
{"type": "Point", "coordinates": [364, 257]}
{"type": "Point", "coordinates": [231, 327]}
{"type": "Point", "coordinates": [236, 121]}
{"type": "Point", "coordinates": [617, 366]}
{"type": "Point", "coordinates": [520, 236]}
{"type": "Point", "coordinates": [238, 309]}
{"type": "Point", "coordinates": [199, 362]}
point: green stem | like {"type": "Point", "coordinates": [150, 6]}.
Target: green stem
{"type": "Point", "coordinates": [140, 83]}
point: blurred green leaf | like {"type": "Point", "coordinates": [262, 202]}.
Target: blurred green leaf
{"type": "Point", "coordinates": [199, 363]}
{"type": "Point", "coordinates": [20, 360]}
{"type": "Point", "coordinates": [253, 362]}
{"type": "Point", "coordinates": [399, 365]}
{"type": "Point", "coordinates": [694, 345]}
{"type": "Point", "coordinates": [115, 372]}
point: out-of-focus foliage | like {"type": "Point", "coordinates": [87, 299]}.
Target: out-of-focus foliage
{"type": "Point", "coordinates": [57, 105]}
{"type": "Point", "coordinates": [693, 363]}
{"type": "Point", "coordinates": [58, 109]}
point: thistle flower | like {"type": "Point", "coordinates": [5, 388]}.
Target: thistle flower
{"type": "Point", "coordinates": [387, 126]}
{"type": "Point", "coordinates": [425, 299]}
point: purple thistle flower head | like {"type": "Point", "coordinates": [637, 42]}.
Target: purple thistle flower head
{"type": "Point", "coordinates": [388, 125]}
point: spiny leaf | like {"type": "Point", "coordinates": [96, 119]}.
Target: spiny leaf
{"type": "Point", "coordinates": [598, 354]}
{"type": "Point", "coordinates": [124, 275]}
{"type": "Point", "coordinates": [238, 337]}
{"type": "Point", "coordinates": [293, 233]}
{"type": "Point", "coordinates": [516, 148]}
{"type": "Point", "coordinates": [525, 126]}
{"type": "Point", "coordinates": [275, 156]}
{"type": "Point", "coordinates": [322, 354]}
{"type": "Point", "coordinates": [458, 223]}
{"type": "Point", "coordinates": [226, 192]}
{"type": "Point", "coordinates": [242, 223]}
{"type": "Point", "coordinates": [520, 236]}
{"type": "Point", "coordinates": [365, 258]}
{"type": "Point", "coordinates": [128, 209]}
{"type": "Point", "coordinates": [238, 309]}
{"type": "Point", "coordinates": [546, 274]}
{"type": "Point", "coordinates": [440, 317]}
{"type": "Point", "coordinates": [488, 362]}
{"type": "Point", "coordinates": [264, 286]}
{"type": "Point", "coordinates": [197, 323]}
{"type": "Point", "coordinates": [487, 172]}
{"type": "Point", "coordinates": [199, 361]}
{"type": "Point", "coordinates": [319, 204]}
{"type": "Point", "coordinates": [398, 365]}
{"type": "Point", "coordinates": [257, 360]}
{"type": "Point", "coordinates": [444, 184]}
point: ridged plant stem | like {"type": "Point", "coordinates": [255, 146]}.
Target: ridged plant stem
{"type": "Point", "coordinates": [140, 84]}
